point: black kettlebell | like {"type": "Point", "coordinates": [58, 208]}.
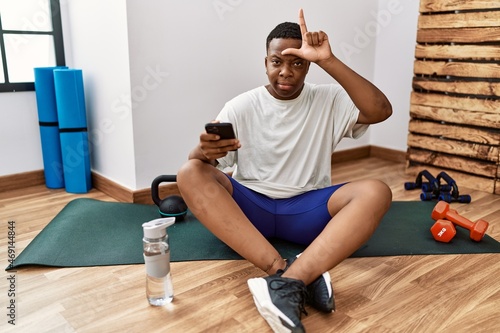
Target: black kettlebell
{"type": "Point", "coordinates": [171, 206]}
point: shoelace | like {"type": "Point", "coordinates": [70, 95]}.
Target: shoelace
{"type": "Point", "coordinates": [307, 295]}
{"type": "Point", "coordinates": [294, 290]}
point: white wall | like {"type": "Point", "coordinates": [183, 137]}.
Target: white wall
{"type": "Point", "coordinates": [155, 71]}
{"type": "Point", "coordinates": [99, 45]}
{"type": "Point", "coordinates": [207, 55]}
{"type": "Point", "coordinates": [394, 69]}
{"type": "Point", "coordinates": [20, 148]}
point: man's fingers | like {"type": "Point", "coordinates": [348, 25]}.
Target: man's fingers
{"type": "Point", "coordinates": [314, 38]}
{"type": "Point", "coordinates": [302, 22]}
{"type": "Point", "coordinates": [292, 51]}
{"type": "Point", "coordinates": [311, 38]}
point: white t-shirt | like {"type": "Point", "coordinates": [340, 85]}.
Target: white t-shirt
{"type": "Point", "coordinates": [286, 145]}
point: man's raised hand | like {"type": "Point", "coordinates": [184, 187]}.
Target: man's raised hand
{"type": "Point", "coordinates": [315, 46]}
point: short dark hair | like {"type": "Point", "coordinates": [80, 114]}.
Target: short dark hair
{"type": "Point", "coordinates": [284, 30]}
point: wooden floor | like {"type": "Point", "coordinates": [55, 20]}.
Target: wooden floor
{"type": "Point", "coordinates": [445, 293]}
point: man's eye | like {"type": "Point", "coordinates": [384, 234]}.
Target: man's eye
{"type": "Point", "coordinates": [276, 62]}
{"type": "Point", "coordinates": [298, 63]}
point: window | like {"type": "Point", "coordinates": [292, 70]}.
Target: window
{"type": "Point", "coordinates": [30, 36]}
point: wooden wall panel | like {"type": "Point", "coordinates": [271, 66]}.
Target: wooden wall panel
{"type": "Point", "coordinates": [454, 147]}
{"type": "Point", "coordinates": [457, 68]}
{"type": "Point", "coordinates": [458, 52]}
{"type": "Point", "coordinates": [459, 133]}
{"type": "Point", "coordinates": [483, 88]}
{"type": "Point", "coordinates": [427, 6]}
{"type": "Point", "coordinates": [455, 103]}
{"type": "Point", "coordinates": [464, 35]}
{"type": "Point", "coordinates": [454, 116]}
{"type": "Point", "coordinates": [469, 103]}
{"type": "Point", "coordinates": [460, 20]}
{"type": "Point", "coordinates": [452, 162]}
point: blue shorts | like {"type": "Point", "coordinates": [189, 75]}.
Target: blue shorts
{"type": "Point", "coordinates": [298, 219]}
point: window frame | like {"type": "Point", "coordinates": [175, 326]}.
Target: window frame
{"type": "Point", "coordinates": [57, 35]}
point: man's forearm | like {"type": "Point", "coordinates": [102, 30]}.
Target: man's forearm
{"type": "Point", "coordinates": [196, 154]}
{"type": "Point", "coordinates": [373, 105]}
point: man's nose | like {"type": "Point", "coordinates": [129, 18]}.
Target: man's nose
{"type": "Point", "coordinates": [286, 70]}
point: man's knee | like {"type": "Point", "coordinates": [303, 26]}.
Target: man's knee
{"type": "Point", "coordinates": [195, 174]}
{"type": "Point", "coordinates": [377, 196]}
{"type": "Point", "coordinates": [378, 189]}
{"type": "Point", "coordinates": [187, 168]}
{"type": "Point", "coordinates": [366, 192]}
{"type": "Point", "coordinates": [190, 170]}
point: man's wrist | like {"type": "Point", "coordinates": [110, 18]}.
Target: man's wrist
{"type": "Point", "coordinates": [329, 62]}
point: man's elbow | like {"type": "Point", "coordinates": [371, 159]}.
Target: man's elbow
{"type": "Point", "coordinates": [386, 110]}
{"type": "Point", "coordinates": [381, 112]}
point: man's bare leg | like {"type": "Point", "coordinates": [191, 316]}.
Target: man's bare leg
{"type": "Point", "coordinates": [357, 209]}
{"type": "Point", "coordinates": [208, 194]}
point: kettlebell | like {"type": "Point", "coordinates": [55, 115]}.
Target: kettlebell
{"type": "Point", "coordinates": [171, 206]}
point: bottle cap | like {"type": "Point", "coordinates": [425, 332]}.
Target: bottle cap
{"type": "Point", "coordinates": [157, 228]}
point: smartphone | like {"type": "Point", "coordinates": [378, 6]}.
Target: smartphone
{"type": "Point", "coordinates": [224, 130]}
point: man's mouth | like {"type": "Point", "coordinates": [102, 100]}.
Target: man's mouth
{"type": "Point", "coordinates": [285, 86]}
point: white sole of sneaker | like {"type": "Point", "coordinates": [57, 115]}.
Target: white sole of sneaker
{"type": "Point", "coordinates": [326, 277]}
{"type": "Point", "coordinates": [328, 282]}
{"type": "Point", "coordinates": [260, 292]}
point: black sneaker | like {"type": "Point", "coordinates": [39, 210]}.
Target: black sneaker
{"type": "Point", "coordinates": [320, 292]}
{"type": "Point", "coordinates": [280, 301]}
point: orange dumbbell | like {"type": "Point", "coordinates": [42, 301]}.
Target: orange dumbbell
{"type": "Point", "coordinates": [443, 231]}
{"type": "Point", "coordinates": [477, 229]}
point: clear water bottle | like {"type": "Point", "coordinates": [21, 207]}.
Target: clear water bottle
{"type": "Point", "coordinates": [159, 288]}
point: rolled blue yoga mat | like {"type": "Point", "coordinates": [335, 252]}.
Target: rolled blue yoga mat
{"type": "Point", "coordinates": [49, 127]}
{"type": "Point", "coordinates": [71, 112]}
{"type": "Point", "coordinates": [75, 152]}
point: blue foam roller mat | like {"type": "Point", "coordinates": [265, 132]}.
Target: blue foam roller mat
{"type": "Point", "coordinates": [52, 157]}
{"type": "Point", "coordinates": [72, 117]}
{"type": "Point", "coordinates": [76, 162]}
{"type": "Point", "coordinates": [70, 98]}
{"type": "Point", "coordinates": [49, 127]}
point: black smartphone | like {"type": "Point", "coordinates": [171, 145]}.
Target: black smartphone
{"type": "Point", "coordinates": [224, 130]}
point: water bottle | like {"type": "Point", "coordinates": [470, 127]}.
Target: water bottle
{"type": "Point", "coordinates": [159, 289]}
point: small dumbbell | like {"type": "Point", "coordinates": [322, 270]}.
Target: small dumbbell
{"type": "Point", "coordinates": [443, 231]}
{"type": "Point", "coordinates": [477, 229]}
